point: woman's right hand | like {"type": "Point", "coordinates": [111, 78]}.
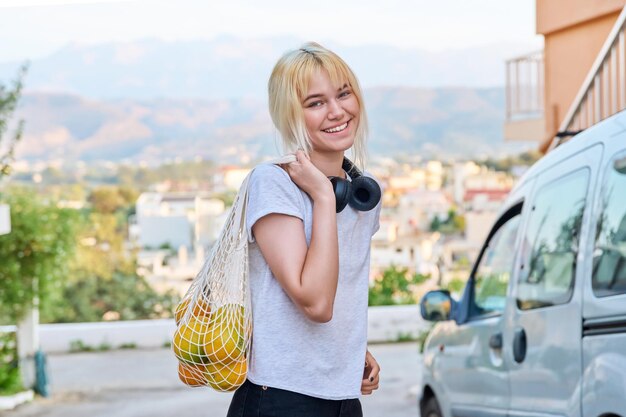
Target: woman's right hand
{"type": "Point", "coordinates": [310, 179]}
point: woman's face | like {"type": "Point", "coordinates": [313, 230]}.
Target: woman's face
{"type": "Point", "coordinates": [331, 114]}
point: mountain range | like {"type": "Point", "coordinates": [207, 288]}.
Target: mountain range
{"type": "Point", "coordinates": [445, 122]}
{"type": "Point", "coordinates": [152, 99]}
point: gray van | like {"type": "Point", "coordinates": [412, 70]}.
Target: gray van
{"type": "Point", "coordinates": [540, 329]}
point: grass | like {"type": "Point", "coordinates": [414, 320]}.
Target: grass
{"type": "Point", "coordinates": [11, 382]}
{"type": "Point", "coordinates": [406, 337]}
{"type": "Point", "coordinates": [80, 346]}
{"type": "Point", "coordinates": [5, 392]}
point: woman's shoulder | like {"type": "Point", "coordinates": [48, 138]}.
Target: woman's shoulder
{"type": "Point", "coordinates": [272, 179]}
{"type": "Point", "coordinates": [271, 190]}
{"type": "Point", "coordinates": [268, 169]}
{"type": "Point", "coordinates": [267, 174]}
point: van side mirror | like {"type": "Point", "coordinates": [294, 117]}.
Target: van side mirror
{"type": "Point", "coordinates": [436, 305]}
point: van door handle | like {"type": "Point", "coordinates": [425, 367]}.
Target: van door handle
{"type": "Point", "coordinates": [495, 341]}
{"type": "Point", "coordinates": [519, 345]}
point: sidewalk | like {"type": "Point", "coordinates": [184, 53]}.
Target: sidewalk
{"type": "Point", "coordinates": [138, 383]}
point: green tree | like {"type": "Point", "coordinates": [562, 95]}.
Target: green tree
{"type": "Point", "coordinates": [435, 224]}
{"type": "Point", "coordinates": [458, 222]}
{"type": "Point", "coordinates": [128, 194]}
{"type": "Point", "coordinates": [454, 223]}
{"type": "Point", "coordinates": [102, 277]}
{"type": "Point", "coordinates": [9, 98]}
{"type": "Point", "coordinates": [106, 199]}
{"type": "Point", "coordinates": [506, 164]}
{"type": "Point", "coordinates": [123, 297]}
{"type": "Point", "coordinates": [35, 254]}
{"type": "Point", "coordinates": [455, 285]}
{"type": "Point", "coordinates": [190, 172]}
{"type": "Point", "coordinates": [394, 287]}
{"type": "Point", "coordinates": [75, 192]}
{"type": "Point", "coordinates": [9, 371]}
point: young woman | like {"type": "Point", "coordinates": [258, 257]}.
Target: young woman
{"type": "Point", "coordinates": [309, 259]}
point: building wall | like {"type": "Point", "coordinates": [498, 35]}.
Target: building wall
{"type": "Point", "coordinates": [157, 230]}
{"type": "Point", "coordinates": [574, 32]}
{"type": "Point", "coordinates": [478, 224]}
{"type": "Point", "coordinates": [385, 255]}
{"type": "Point", "coordinates": [554, 15]}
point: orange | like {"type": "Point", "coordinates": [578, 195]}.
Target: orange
{"type": "Point", "coordinates": [192, 375]}
{"type": "Point", "coordinates": [200, 309]}
{"type": "Point", "coordinates": [227, 377]}
{"type": "Point", "coordinates": [189, 341]}
{"type": "Point", "coordinates": [225, 340]}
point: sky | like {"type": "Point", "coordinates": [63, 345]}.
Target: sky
{"type": "Point", "coordinates": [32, 29]}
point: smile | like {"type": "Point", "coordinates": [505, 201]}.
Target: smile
{"type": "Point", "coordinates": [337, 128]}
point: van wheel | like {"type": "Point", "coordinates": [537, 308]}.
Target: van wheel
{"type": "Point", "coordinates": [431, 408]}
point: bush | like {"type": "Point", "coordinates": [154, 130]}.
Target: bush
{"type": "Point", "coordinates": [35, 254]}
{"type": "Point", "coordinates": [127, 295]}
{"type": "Point", "coordinates": [80, 346]}
{"type": "Point", "coordinates": [455, 286]}
{"type": "Point", "coordinates": [101, 282]}
{"type": "Point", "coordinates": [394, 287]}
{"type": "Point", "coordinates": [10, 382]}
{"type": "Point", "coordinates": [454, 223]}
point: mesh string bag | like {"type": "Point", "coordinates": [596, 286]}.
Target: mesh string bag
{"type": "Point", "coordinates": [214, 319]}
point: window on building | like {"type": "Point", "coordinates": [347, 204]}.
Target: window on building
{"type": "Point", "coordinates": [551, 242]}
{"type": "Point", "coordinates": [609, 256]}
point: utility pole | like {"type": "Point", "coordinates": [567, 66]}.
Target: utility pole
{"type": "Point", "coordinates": [28, 345]}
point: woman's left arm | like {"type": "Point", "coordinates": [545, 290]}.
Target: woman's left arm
{"type": "Point", "coordinates": [370, 374]}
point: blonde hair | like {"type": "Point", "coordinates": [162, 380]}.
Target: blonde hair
{"type": "Point", "coordinates": [288, 86]}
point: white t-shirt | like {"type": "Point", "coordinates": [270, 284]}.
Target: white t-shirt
{"type": "Point", "coordinates": [289, 351]}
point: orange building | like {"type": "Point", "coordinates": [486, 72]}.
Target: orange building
{"type": "Point", "coordinates": [577, 80]}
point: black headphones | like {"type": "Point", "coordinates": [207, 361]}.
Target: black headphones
{"type": "Point", "coordinates": [362, 193]}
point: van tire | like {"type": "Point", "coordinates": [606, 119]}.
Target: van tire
{"type": "Point", "coordinates": [431, 408]}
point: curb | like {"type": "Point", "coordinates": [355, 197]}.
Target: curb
{"type": "Point", "coordinates": [9, 402]}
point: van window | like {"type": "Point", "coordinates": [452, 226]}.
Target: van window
{"type": "Point", "coordinates": [492, 275]}
{"type": "Point", "coordinates": [551, 242]}
{"type": "Point", "coordinates": [609, 255]}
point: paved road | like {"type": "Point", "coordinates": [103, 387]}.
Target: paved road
{"type": "Point", "coordinates": [138, 383]}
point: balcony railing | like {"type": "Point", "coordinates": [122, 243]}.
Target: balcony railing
{"type": "Point", "coordinates": [603, 93]}
{"type": "Point", "coordinates": [524, 87]}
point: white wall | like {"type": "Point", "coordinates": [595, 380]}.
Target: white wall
{"type": "Point", "coordinates": [386, 324]}
{"type": "Point", "coordinates": [157, 230]}
{"type": "Point", "coordinates": [390, 323]}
